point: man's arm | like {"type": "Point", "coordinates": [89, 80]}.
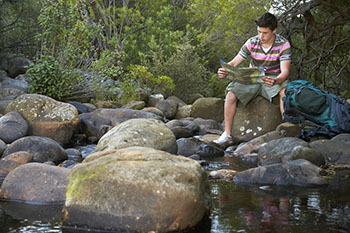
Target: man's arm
{"type": "Point", "coordinates": [285, 70]}
{"type": "Point", "coordinates": [285, 67]}
{"type": "Point", "coordinates": [234, 62]}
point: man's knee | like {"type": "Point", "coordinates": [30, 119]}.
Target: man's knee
{"type": "Point", "coordinates": [281, 93]}
{"type": "Point", "coordinates": [231, 97]}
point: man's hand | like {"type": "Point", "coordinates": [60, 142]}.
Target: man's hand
{"type": "Point", "coordinates": [222, 73]}
{"type": "Point", "coordinates": [268, 81]}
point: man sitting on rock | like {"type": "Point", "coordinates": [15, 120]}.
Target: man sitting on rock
{"type": "Point", "coordinates": [269, 50]}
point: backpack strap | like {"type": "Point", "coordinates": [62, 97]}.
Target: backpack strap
{"type": "Point", "coordinates": [288, 109]}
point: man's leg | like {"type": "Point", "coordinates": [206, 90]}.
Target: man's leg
{"type": "Point", "coordinates": [229, 111]}
{"type": "Point", "coordinates": [281, 94]}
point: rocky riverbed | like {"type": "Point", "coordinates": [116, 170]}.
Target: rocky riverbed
{"type": "Point", "coordinates": [146, 173]}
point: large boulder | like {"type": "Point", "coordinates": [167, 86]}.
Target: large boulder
{"type": "Point", "coordinates": [47, 117]}
{"type": "Point", "coordinates": [12, 161]}
{"type": "Point", "coordinates": [208, 108]}
{"type": "Point", "coordinates": [254, 145]}
{"type": "Point", "coordinates": [136, 189]}
{"type": "Point", "coordinates": [17, 65]}
{"type": "Point", "coordinates": [35, 183]}
{"type": "Point", "coordinates": [279, 150]}
{"type": "Point", "coordinates": [139, 132]}
{"type": "Point", "coordinates": [91, 123]}
{"type": "Point", "coordinates": [12, 127]}
{"type": "Point", "coordinates": [257, 118]}
{"type": "Point", "coordinates": [41, 148]}
{"type": "Point", "coordinates": [297, 172]}
{"type": "Point", "coordinates": [168, 107]}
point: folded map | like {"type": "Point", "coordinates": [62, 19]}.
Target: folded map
{"type": "Point", "coordinates": [244, 75]}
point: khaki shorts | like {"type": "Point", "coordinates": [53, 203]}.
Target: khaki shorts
{"type": "Point", "coordinates": [245, 93]}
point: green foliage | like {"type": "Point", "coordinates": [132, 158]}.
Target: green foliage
{"type": "Point", "coordinates": [185, 69]}
{"type": "Point", "coordinates": [108, 66]}
{"type": "Point", "coordinates": [48, 77]}
{"type": "Point", "coordinates": [18, 26]}
{"type": "Point", "coordinates": [138, 79]}
{"type": "Point", "coordinates": [224, 25]}
{"type": "Point", "coordinates": [218, 86]}
{"type": "Point", "coordinates": [66, 35]}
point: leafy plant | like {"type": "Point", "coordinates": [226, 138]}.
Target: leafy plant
{"type": "Point", "coordinates": [138, 79]}
{"type": "Point", "coordinates": [184, 67]}
{"type": "Point", "coordinates": [48, 77]}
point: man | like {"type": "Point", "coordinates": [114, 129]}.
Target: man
{"type": "Point", "coordinates": [269, 50]}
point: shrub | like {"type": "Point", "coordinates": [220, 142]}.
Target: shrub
{"type": "Point", "coordinates": [185, 68]}
{"type": "Point", "coordinates": [138, 80]}
{"type": "Point", "coordinates": [48, 77]}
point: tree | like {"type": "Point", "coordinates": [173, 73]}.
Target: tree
{"type": "Point", "coordinates": [224, 26]}
{"type": "Point", "coordinates": [319, 31]}
{"type": "Point", "coordinates": [18, 26]}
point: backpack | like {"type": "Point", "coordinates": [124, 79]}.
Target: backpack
{"type": "Point", "coordinates": [308, 105]}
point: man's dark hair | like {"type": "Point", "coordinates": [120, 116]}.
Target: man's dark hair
{"type": "Point", "coordinates": [267, 20]}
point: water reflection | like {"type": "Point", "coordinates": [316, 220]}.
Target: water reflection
{"type": "Point", "coordinates": [279, 209]}
{"type": "Point", "coordinates": [27, 218]}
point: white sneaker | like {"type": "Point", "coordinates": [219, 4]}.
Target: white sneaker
{"type": "Point", "coordinates": [224, 138]}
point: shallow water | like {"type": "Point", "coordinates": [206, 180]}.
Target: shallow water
{"type": "Point", "coordinates": [235, 208]}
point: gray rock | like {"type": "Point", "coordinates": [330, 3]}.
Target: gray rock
{"type": "Point", "coordinates": [47, 117]}
{"type": "Point", "coordinates": [153, 110]}
{"type": "Point", "coordinates": [254, 144]}
{"type": "Point", "coordinates": [17, 66]}
{"type": "Point", "coordinates": [3, 147]}
{"type": "Point", "coordinates": [257, 118]}
{"type": "Point", "coordinates": [43, 149]}
{"type": "Point", "coordinates": [35, 183]}
{"type": "Point", "coordinates": [18, 84]}
{"type": "Point", "coordinates": [139, 132]}
{"type": "Point", "coordinates": [12, 127]}
{"type": "Point", "coordinates": [336, 152]}
{"type": "Point", "coordinates": [279, 150]}
{"type": "Point", "coordinates": [180, 102]}
{"type": "Point", "coordinates": [309, 154]}
{"type": "Point", "coordinates": [191, 98]}
{"type": "Point", "coordinates": [297, 172]}
{"type": "Point", "coordinates": [183, 112]}
{"type": "Point", "coordinates": [168, 108]}
{"type": "Point", "coordinates": [210, 150]}
{"type": "Point", "coordinates": [120, 115]}
{"type": "Point", "coordinates": [181, 132]}
{"type": "Point", "coordinates": [206, 126]}
{"type": "Point", "coordinates": [136, 189]}
{"type": "Point", "coordinates": [208, 108]}
{"type": "Point", "coordinates": [10, 93]}
{"type": "Point", "coordinates": [154, 99]}
{"type": "Point", "coordinates": [74, 154]}
{"type": "Point", "coordinates": [137, 105]}
{"type": "Point", "coordinates": [188, 146]}
{"type": "Point", "coordinates": [90, 123]}
{"type": "Point", "coordinates": [82, 108]}
{"type": "Point", "coordinates": [14, 160]}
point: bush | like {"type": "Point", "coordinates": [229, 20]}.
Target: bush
{"type": "Point", "coordinates": [48, 77]}
{"type": "Point", "coordinates": [185, 69]}
{"type": "Point", "coordinates": [138, 80]}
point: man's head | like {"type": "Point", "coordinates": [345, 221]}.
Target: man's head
{"type": "Point", "coordinates": [267, 20]}
{"type": "Point", "coordinates": [266, 26]}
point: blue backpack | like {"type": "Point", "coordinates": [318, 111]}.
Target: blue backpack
{"type": "Point", "coordinates": [308, 105]}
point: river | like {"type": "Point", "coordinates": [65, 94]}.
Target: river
{"type": "Point", "coordinates": [235, 208]}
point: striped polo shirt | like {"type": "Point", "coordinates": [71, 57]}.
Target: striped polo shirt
{"type": "Point", "coordinates": [270, 60]}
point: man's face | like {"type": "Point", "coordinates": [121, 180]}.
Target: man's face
{"type": "Point", "coordinates": [266, 35]}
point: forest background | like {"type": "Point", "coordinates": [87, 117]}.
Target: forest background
{"type": "Point", "coordinates": [120, 50]}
